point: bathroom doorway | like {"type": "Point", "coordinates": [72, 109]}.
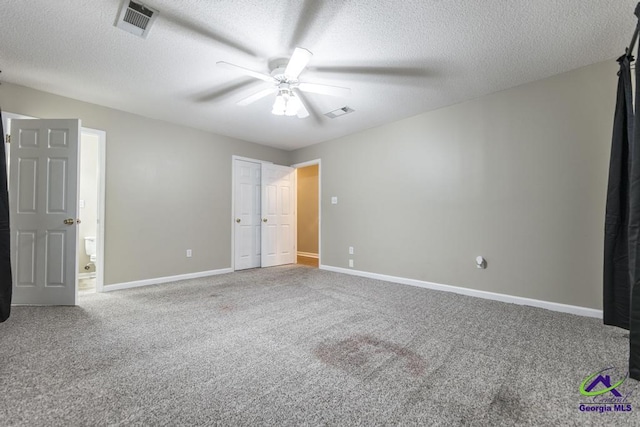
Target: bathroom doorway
{"type": "Point", "coordinates": [88, 212]}
{"type": "Point", "coordinates": [91, 212]}
{"type": "Point", "coordinates": [97, 137]}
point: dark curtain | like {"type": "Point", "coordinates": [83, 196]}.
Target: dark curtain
{"type": "Point", "coordinates": [616, 299]}
{"type": "Point", "coordinates": [621, 302]}
{"type": "Point", "coordinates": [5, 255]}
{"type": "Point", "coordinates": [634, 240]}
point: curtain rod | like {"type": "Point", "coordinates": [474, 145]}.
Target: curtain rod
{"type": "Point", "coordinates": [635, 33]}
{"type": "Point", "coordinates": [633, 42]}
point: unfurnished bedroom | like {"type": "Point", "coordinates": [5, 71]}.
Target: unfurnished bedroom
{"type": "Point", "coordinates": [319, 212]}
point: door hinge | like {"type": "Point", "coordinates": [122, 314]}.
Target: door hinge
{"type": "Point", "coordinates": [7, 138]}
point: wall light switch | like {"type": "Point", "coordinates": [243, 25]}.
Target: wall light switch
{"type": "Point", "coordinates": [350, 250]}
{"type": "Point", "coordinates": [350, 263]}
{"type": "Point", "coordinates": [334, 200]}
{"type": "Point", "coordinates": [81, 203]}
{"type": "Point", "coordinates": [188, 253]}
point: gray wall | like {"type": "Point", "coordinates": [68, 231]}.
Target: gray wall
{"type": "Point", "coordinates": [518, 177]}
{"type": "Point", "coordinates": [168, 187]}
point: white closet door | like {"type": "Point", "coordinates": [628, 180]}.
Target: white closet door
{"type": "Point", "coordinates": [247, 214]}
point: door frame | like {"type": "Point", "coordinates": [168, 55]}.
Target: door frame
{"type": "Point", "coordinates": [233, 202]}
{"type": "Point", "coordinates": [295, 166]}
{"type": "Point", "coordinates": [302, 165]}
{"type": "Point", "coordinates": [102, 160]}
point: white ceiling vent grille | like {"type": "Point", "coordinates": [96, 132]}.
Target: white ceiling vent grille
{"type": "Point", "coordinates": [339, 112]}
{"type": "Point", "coordinates": [135, 18]}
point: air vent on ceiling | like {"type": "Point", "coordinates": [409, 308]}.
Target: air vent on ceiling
{"type": "Point", "coordinates": [339, 112]}
{"type": "Point", "coordinates": [135, 18]}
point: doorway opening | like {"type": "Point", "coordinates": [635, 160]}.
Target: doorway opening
{"type": "Point", "coordinates": [307, 215]}
{"type": "Point", "coordinates": [308, 209]}
{"type": "Point", "coordinates": [88, 204]}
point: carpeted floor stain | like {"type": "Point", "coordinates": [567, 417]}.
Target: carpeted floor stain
{"type": "Point", "coordinates": [355, 353]}
{"type": "Point", "coordinates": [301, 347]}
{"type": "Point", "coordinates": [506, 406]}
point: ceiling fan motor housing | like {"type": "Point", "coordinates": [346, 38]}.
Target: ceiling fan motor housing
{"type": "Point", "coordinates": [277, 66]}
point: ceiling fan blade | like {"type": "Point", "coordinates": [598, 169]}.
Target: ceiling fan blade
{"type": "Point", "coordinates": [298, 61]}
{"type": "Point", "coordinates": [313, 112]}
{"type": "Point", "coordinates": [377, 71]}
{"type": "Point", "coordinates": [303, 113]}
{"type": "Point", "coordinates": [324, 89]}
{"type": "Point", "coordinates": [311, 19]}
{"type": "Point", "coordinates": [256, 96]}
{"type": "Point", "coordinates": [193, 26]}
{"type": "Point", "coordinates": [248, 72]}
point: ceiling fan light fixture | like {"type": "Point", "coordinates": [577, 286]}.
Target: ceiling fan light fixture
{"type": "Point", "coordinates": [279, 106]}
{"type": "Point", "coordinates": [286, 104]}
{"type": "Point", "coordinates": [293, 105]}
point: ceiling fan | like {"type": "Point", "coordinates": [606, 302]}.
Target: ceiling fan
{"type": "Point", "coordinates": [284, 82]}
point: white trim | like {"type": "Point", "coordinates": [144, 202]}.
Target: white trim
{"type": "Point", "coordinates": [307, 255]}
{"type": "Point", "coordinates": [553, 306]}
{"type": "Point", "coordinates": [294, 173]}
{"type": "Point", "coordinates": [160, 280]}
{"type": "Point", "coordinates": [7, 115]}
{"type": "Point", "coordinates": [249, 159]}
{"type": "Point", "coordinates": [86, 276]}
{"type": "Point", "coordinates": [302, 165]}
{"type": "Point", "coordinates": [102, 166]}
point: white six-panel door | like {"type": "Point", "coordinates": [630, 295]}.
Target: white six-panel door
{"type": "Point", "coordinates": [278, 215]}
{"type": "Point", "coordinates": [247, 214]}
{"type": "Point", "coordinates": [43, 187]}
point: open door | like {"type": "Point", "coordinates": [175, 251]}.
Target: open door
{"type": "Point", "coordinates": [278, 215]}
{"type": "Point", "coordinates": [43, 188]}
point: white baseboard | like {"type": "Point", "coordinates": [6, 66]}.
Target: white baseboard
{"type": "Point", "coordinates": [159, 280]}
{"type": "Point", "coordinates": [87, 275]}
{"type": "Point", "coordinates": [308, 255]}
{"type": "Point", "coordinates": [553, 306]}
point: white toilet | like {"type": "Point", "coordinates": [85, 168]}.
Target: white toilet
{"type": "Point", "coordinates": [90, 247]}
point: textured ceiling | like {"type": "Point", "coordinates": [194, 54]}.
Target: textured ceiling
{"type": "Point", "coordinates": [399, 57]}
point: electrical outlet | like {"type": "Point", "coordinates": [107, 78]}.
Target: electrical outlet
{"type": "Point", "coordinates": [350, 263]}
{"type": "Point", "coordinates": [188, 253]}
{"type": "Point", "coordinates": [334, 200]}
{"type": "Point", "coordinates": [350, 250]}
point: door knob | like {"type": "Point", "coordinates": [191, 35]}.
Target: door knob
{"type": "Point", "coordinates": [238, 220]}
{"type": "Point", "coordinates": [69, 221]}
{"type": "Point", "coordinates": [264, 220]}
